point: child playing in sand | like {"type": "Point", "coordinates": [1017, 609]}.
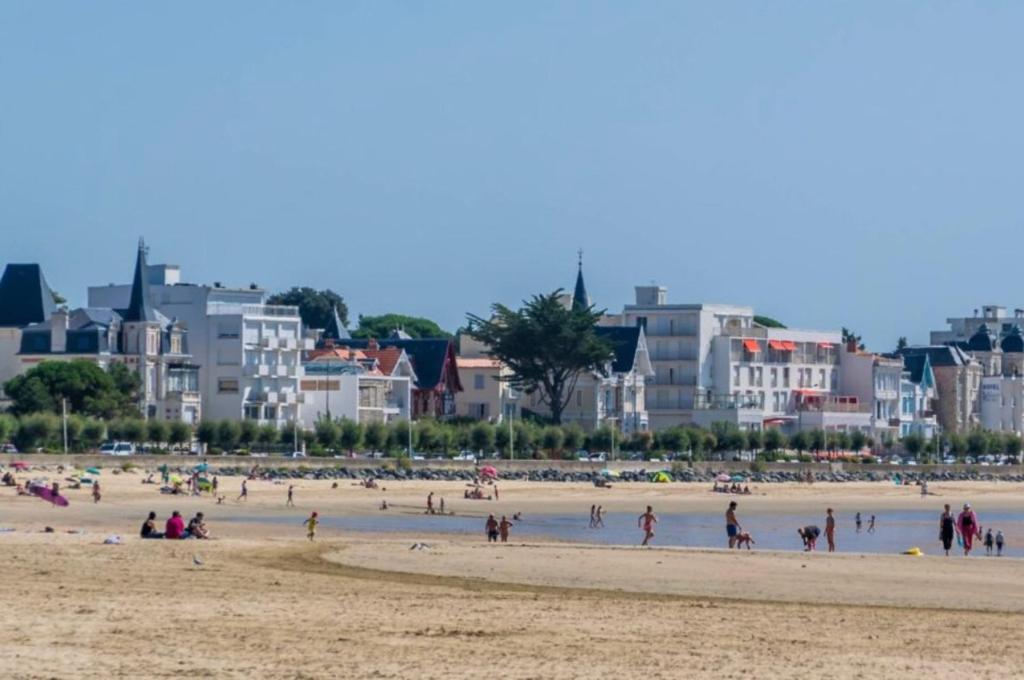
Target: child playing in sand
{"type": "Point", "coordinates": [311, 525]}
{"type": "Point", "coordinates": [647, 521]}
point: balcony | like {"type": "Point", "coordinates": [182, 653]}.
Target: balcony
{"type": "Point", "coordinates": [256, 370]}
{"type": "Point", "coordinates": [233, 308]}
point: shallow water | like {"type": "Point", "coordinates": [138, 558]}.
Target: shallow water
{"type": "Point", "coordinates": [895, 531]}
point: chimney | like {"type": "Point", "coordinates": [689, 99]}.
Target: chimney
{"type": "Point", "coordinates": [372, 344]}
{"type": "Point", "coordinates": [59, 331]}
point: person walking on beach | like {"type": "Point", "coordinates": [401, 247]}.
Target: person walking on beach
{"type": "Point", "coordinates": [96, 494]}
{"type": "Point", "coordinates": [311, 525]}
{"type": "Point", "coordinates": [503, 528]}
{"type": "Point", "coordinates": [947, 529]}
{"type": "Point", "coordinates": [291, 500]}
{"type": "Point", "coordinates": [732, 525]}
{"type": "Point", "coordinates": [593, 516]}
{"type": "Point", "coordinates": [213, 486]}
{"type": "Point", "coordinates": [496, 492]}
{"type": "Point", "coordinates": [999, 543]}
{"type": "Point", "coordinates": [647, 521]}
{"type": "Point", "coordinates": [244, 495]}
{"type": "Point", "coordinates": [599, 518]}
{"type": "Point", "coordinates": [492, 529]}
{"type": "Point", "coordinates": [442, 505]}
{"type": "Point", "coordinates": [871, 525]}
{"type": "Point", "coordinates": [967, 525]}
{"type": "Point", "coordinates": [990, 542]}
{"type": "Point", "coordinates": [430, 503]}
{"type": "Point", "coordinates": [830, 530]}
{"type": "Point", "coordinates": [857, 520]}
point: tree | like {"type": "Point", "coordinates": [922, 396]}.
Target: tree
{"type": "Point", "coordinates": [327, 433]}
{"type": "Point", "coordinates": [913, 443]}
{"type": "Point", "coordinates": [851, 337]}
{"type": "Point", "coordinates": [157, 431]}
{"type": "Point", "coordinates": [977, 443]}
{"type": "Point", "coordinates": [551, 440]}
{"type": "Point", "coordinates": [228, 434]}
{"type": "Point", "coordinates": [546, 346]}
{"type": "Point", "coordinates": [382, 326]}
{"type": "Point", "coordinates": [1011, 444]}
{"type": "Point", "coordinates": [481, 437]}
{"type": "Point", "coordinates": [206, 433]}
{"type": "Point", "coordinates": [179, 433]}
{"type": "Point", "coordinates": [773, 439]}
{"type": "Point", "coordinates": [755, 440]}
{"type": "Point", "coordinates": [573, 437]}
{"type": "Point", "coordinates": [36, 430]}
{"type": "Point", "coordinates": [93, 433]}
{"type": "Point", "coordinates": [601, 439]}
{"type": "Point", "coordinates": [316, 307]}
{"type": "Point", "coordinates": [75, 425]}
{"type": "Point", "coordinates": [817, 440]}
{"type": "Point", "coordinates": [428, 437]}
{"type": "Point", "coordinates": [957, 444]}
{"type": "Point", "coordinates": [375, 437]}
{"type": "Point", "coordinates": [8, 427]}
{"type": "Point", "coordinates": [524, 437]}
{"type": "Point", "coordinates": [247, 431]}
{"type": "Point", "coordinates": [800, 441]}
{"type": "Point", "coordinates": [767, 322]}
{"type": "Point", "coordinates": [134, 430]}
{"type": "Point", "coordinates": [351, 435]}
{"type": "Point", "coordinates": [501, 439]}
{"type": "Point", "coordinates": [901, 343]}
{"type": "Point", "coordinates": [88, 389]}
{"type": "Point", "coordinates": [858, 440]}
{"type": "Point", "coordinates": [735, 440]}
{"type": "Point", "coordinates": [267, 434]}
{"type": "Point", "coordinates": [842, 441]}
{"type": "Point", "coordinates": [398, 435]}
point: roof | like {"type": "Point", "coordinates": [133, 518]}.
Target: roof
{"type": "Point", "coordinates": [25, 297]}
{"type": "Point", "coordinates": [938, 355]}
{"type": "Point", "coordinates": [982, 340]}
{"type": "Point", "coordinates": [1014, 340]}
{"type": "Point", "coordinates": [139, 306]}
{"type": "Point", "coordinates": [428, 356]}
{"type": "Point", "coordinates": [624, 341]}
{"type": "Point", "coordinates": [93, 316]}
{"type": "Point", "coordinates": [387, 358]}
{"type": "Point", "coordinates": [580, 299]}
{"type": "Point", "coordinates": [335, 329]}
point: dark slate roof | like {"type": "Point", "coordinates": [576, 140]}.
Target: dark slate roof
{"type": "Point", "coordinates": [982, 341]}
{"type": "Point", "coordinates": [938, 355]}
{"type": "Point", "coordinates": [1014, 340]}
{"type": "Point", "coordinates": [427, 355]}
{"type": "Point", "coordinates": [915, 365]}
{"type": "Point", "coordinates": [624, 341]}
{"type": "Point", "coordinates": [35, 340]}
{"type": "Point", "coordinates": [25, 298]}
{"type": "Point", "coordinates": [335, 329]}
{"type": "Point", "coordinates": [139, 306]}
{"type": "Point", "coordinates": [580, 299]}
{"type": "Point", "coordinates": [93, 316]}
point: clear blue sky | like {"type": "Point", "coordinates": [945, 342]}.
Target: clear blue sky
{"type": "Point", "coordinates": [829, 163]}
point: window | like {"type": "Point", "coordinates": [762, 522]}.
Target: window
{"type": "Point", "coordinates": [478, 381]}
{"type": "Point", "coordinates": [227, 385]}
{"type": "Point", "coordinates": [775, 377]}
{"type": "Point", "coordinates": [269, 412]}
{"type": "Point", "coordinates": [671, 376]}
{"type": "Point", "coordinates": [252, 411]}
{"type": "Point", "coordinates": [821, 378]}
{"type": "Point", "coordinates": [759, 374]}
{"type": "Point", "coordinates": [226, 329]}
{"type": "Point", "coordinates": [785, 377]}
{"type": "Point", "coordinates": [750, 376]}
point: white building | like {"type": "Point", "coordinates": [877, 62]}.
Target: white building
{"type": "Point", "coordinates": [875, 381]}
{"type": "Point", "coordinates": [249, 352]}
{"type": "Point", "coordinates": [996, 317]}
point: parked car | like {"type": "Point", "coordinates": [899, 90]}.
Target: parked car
{"type": "Point", "coordinates": [295, 454]}
{"type": "Point", "coordinates": [465, 455]}
{"type": "Point", "coordinates": [117, 449]}
{"type": "Point", "coordinates": [8, 448]}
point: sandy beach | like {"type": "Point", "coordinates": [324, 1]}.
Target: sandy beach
{"type": "Point", "coordinates": [264, 602]}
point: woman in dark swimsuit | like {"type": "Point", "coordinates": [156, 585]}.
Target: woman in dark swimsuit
{"type": "Point", "coordinates": [947, 531]}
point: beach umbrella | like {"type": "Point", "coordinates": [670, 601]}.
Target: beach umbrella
{"type": "Point", "coordinates": [723, 478]}
{"type": "Point", "coordinates": [202, 467]}
{"type": "Point", "coordinates": [737, 478]}
{"type": "Point", "coordinates": [609, 473]}
{"type": "Point", "coordinates": [661, 477]}
{"type": "Point", "coordinates": [175, 479]}
{"type": "Point", "coordinates": [92, 471]}
{"type": "Point", "coordinates": [488, 471]}
{"type": "Point", "coordinates": [19, 464]}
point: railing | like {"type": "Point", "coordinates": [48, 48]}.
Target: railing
{"type": "Point", "coordinates": [834, 407]}
{"type": "Point", "coordinates": [213, 308]}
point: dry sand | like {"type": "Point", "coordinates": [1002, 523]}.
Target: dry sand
{"type": "Point", "coordinates": [266, 603]}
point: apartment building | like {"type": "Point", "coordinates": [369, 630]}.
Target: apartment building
{"type": "Point", "coordinates": [876, 381]}
{"type": "Point", "coordinates": [996, 318]}
{"type": "Point", "coordinates": [249, 352]}
{"type": "Point", "coordinates": [957, 378]}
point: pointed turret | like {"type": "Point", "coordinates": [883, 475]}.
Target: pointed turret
{"type": "Point", "coordinates": [25, 298]}
{"type": "Point", "coordinates": [139, 306]}
{"type": "Point", "coordinates": [580, 299]}
{"type": "Point", "coordinates": [335, 329]}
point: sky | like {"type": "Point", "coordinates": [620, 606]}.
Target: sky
{"type": "Point", "coordinates": [830, 164]}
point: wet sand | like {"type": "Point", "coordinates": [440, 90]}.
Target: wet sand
{"type": "Point", "coordinates": [267, 603]}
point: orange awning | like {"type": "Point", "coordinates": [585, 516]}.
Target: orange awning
{"type": "Point", "coordinates": [751, 345]}
{"type": "Point", "coordinates": [789, 345]}
{"type": "Point", "coordinates": [781, 345]}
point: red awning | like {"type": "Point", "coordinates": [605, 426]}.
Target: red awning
{"type": "Point", "coordinates": [777, 344]}
{"type": "Point", "coordinates": [825, 345]}
{"type": "Point", "coordinates": [751, 345]}
{"type": "Point", "coordinates": [789, 345]}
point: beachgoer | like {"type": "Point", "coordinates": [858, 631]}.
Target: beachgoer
{"type": "Point", "coordinates": [441, 506]}
{"type": "Point", "coordinates": [55, 492]}
{"type": "Point", "coordinates": [599, 517]}
{"type": "Point", "coordinates": [858, 521]}
{"type": "Point", "coordinates": [384, 505]}
{"type": "Point", "coordinates": [492, 529]}
{"type": "Point", "coordinates": [871, 525]}
{"type": "Point", "coordinates": [924, 488]}
{"type": "Point", "coordinates": [430, 503]}
{"type": "Point", "coordinates": [830, 530]}
{"type": "Point", "coordinates": [947, 528]}
{"type": "Point", "coordinates": [809, 534]}
{"type": "Point", "coordinates": [1000, 541]}
{"type": "Point", "coordinates": [311, 525]}
{"type": "Point", "coordinates": [503, 528]}
{"type": "Point", "coordinates": [517, 517]}
{"type": "Point", "coordinates": [967, 525]}
{"type": "Point", "coordinates": [244, 495]}
{"type": "Point", "coordinates": [990, 542]}
{"type": "Point", "coordinates": [495, 492]}
{"type": "Point", "coordinates": [149, 528]}
{"type": "Point", "coordinates": [96, 495]}
{"type": "Point", "coordinates": [646, 522]}
{"type": "Point", "coordinates": [593, 516]}
{"type": "Point", "coordinates": [197, 527]}
{"type": "Point", "coordinates": [732, 525]}
{"type": "Point", "coordinates": [291, 496]}
{"type": "Point", "coordinates": [175, 527]}
{"type": "Point", "coordinates": [213, 486]}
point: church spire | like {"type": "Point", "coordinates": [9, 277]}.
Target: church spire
{"type": "Point", "coordinates": [335, 329]}
{"type": "Point", "coordinates": [139, 306]}
{"type": "Point", "coordinates": [580, 299]}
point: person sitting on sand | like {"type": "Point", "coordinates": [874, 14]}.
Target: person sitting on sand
{"type": "Point", "coordinates": [175, 527]}
{"type": "Point", "coordinates": [384, 505]}
{"type": "Point", "coordinates": [503, 528]}
{"type": "Point", "coordinates": [197, 527]}
{"type": "Point", "coordinates": [149, 528]}
{"type": "Point", "coordinates": [646, 522]}
{"type": "Point", "coordinates": [746, 490]}
{"type": "Point", "coordinates": [491, 527]}
{"type": "Point", "coordinates": [809, 534]}
{"type": "Point", "coordinates": [9, 479]}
